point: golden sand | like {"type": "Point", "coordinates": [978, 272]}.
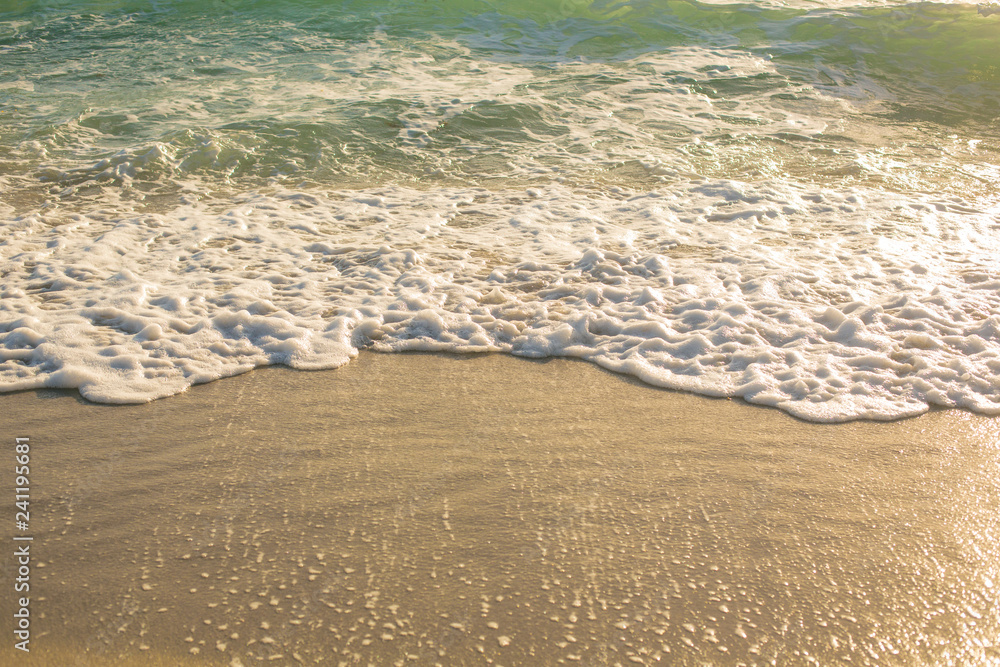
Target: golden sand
{"type": "Point", "coordinates": [427, 509]}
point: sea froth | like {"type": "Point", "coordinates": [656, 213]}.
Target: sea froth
{"type": "Point", "coordinates": [782, 296]}
{"type": "Point", "coordinates": [793, 204]}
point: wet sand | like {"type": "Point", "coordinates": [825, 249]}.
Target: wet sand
{"type": "Point", "coordinates": [428, 509]}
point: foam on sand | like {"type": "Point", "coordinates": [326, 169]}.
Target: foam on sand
{"type": "Point", "coordinates": [784, 297]}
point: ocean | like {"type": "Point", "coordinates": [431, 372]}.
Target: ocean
{"type": "Point", "coordinates": [794, 203]}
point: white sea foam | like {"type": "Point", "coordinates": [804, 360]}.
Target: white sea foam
{"type": "Point", "coordinates": [777, 242]}
{"type": "Point", "coordinates": [831, 305]}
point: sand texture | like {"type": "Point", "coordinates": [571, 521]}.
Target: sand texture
{"type": "Point", "coordinates": [428, 509]}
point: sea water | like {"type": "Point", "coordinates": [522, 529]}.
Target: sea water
{"type": "Point", "coordinates": [794, 203]}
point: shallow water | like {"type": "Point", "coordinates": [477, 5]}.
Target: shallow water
{"type": "Point", "coordinates": [499, 511]}
{"type": "Point", "coordinates": [793, 203]}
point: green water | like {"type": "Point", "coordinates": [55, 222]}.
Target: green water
{"type": "Point", "coordinates": [147, 94]}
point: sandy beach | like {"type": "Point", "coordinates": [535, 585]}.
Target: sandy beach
{"type": "Point", "coordinates": [512, 333]}
{"type": "Point", "coordinates": [431, 509]}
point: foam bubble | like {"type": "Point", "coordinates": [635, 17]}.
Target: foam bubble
{"type": "Point", "coordinates": [779, 295]}
{"type": "Point", "coordinates": [721, 199]}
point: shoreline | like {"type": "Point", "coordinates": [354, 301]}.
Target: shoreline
{"type": "Point", "coordinates": [490, 509]}
{"type": "Point", "coordinates": [57, 392]}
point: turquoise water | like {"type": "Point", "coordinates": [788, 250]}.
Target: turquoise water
{"type": "Point", "coordinates": [701, 195]}
{"type": "Point", "coordinates": [357, 93]}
